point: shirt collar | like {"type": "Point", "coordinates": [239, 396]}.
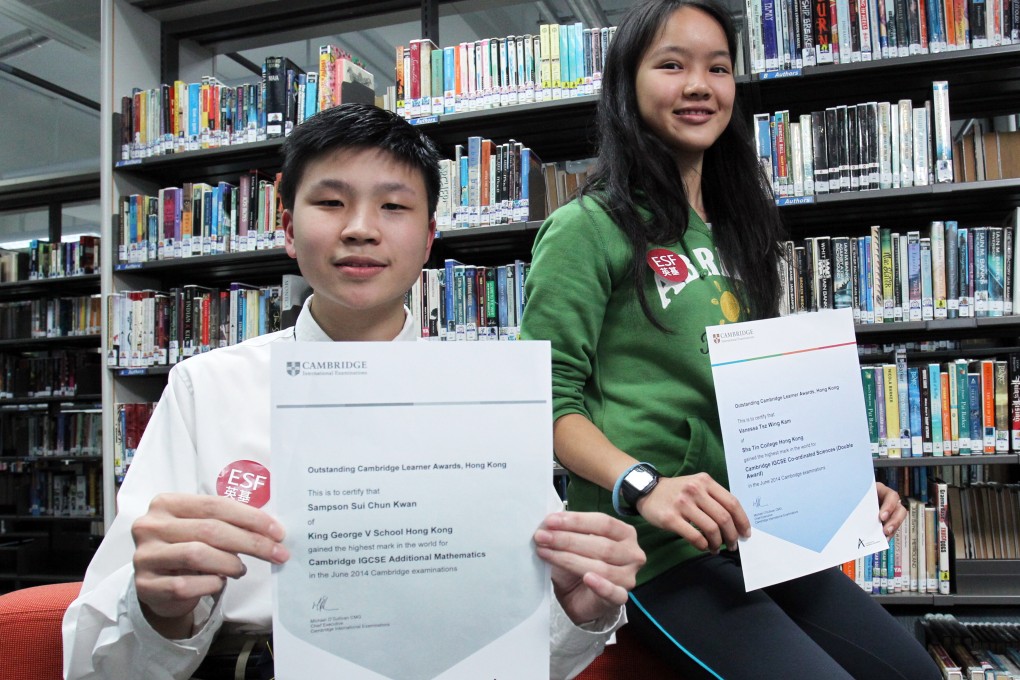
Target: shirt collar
{"type": "Point", "coordinates": [307, 330]}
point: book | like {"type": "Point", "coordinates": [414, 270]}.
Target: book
{"type": "Point", "coordinates": [940, 493]}
{"type": "Point", "coordinates": [294, 291]}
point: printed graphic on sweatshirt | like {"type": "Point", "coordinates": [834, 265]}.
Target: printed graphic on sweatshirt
{"type": "Point", "coordinates": [673, 271]}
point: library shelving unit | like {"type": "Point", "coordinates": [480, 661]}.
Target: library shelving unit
{"type": "Point", "coordinates": [46, 536]}
{"type": "Point", "coordinates": [156, 42]}
{"type": "Point", "coordinates": [982, 83]}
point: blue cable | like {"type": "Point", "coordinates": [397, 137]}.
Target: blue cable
{"type": "Point", "coordinates": [671, 638]}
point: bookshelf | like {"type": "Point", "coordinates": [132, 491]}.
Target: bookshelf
{"type": "Point", "coordinates": [155, 42]}
{"type": "Point", "coordinates": [42, 538]}
{"type": "Point", "coordinates": [982, 82]}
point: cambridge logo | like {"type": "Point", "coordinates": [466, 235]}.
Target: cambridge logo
{"type": "Point", "coordinates": [293, 367]}
{"type": "Point", "coordinates": [715, 338]}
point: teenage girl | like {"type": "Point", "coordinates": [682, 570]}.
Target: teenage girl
{"type": "Point", "coordinates": [677, 230]}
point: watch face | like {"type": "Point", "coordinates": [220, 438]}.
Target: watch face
{"type": "Point", "coordinates": [639, 479]}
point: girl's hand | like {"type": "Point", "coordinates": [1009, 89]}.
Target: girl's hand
{"type": "Point", "coordinates": [890, 511]}
{"type": "Point", "coordinates": [698, 509]}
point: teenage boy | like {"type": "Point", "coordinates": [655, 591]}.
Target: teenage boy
{"type": "Point", "coordinates": [182, 560]}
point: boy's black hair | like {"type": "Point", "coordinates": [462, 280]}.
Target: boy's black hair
{"type": "Point", "coordinates": [358, 126]}
{"type": "Point", "coordinates": [636, 170]}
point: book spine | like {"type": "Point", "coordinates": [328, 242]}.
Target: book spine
{"type": "Point", "coordinates": [935, 382]}
{"type": "Point", "coordinates": [914, 396]}
{"type": "Point", "coordinates": [903, 396]}
{"type": "Point", "coordinates": [942, 133]}
{"type": "Point", "coordinates": [927, 295]}
{"type": "Point", "coordinates": [926, 414]}
{"type": "Point", "coordinates": [892, 411]}
{"type": "Point", "coordinates": [938, 267]}
{"type": "Point", "coordinates": [980, 265]}
{"type": "Point", "coordinates": [871, 407]}
{"type": "Point", "coordinates": [1014, 401]}
{"type": "Point", "coordinates": [988, 404]}
{"type": "Point", "coordinates": [962, 406]}
{"type": "Point", "coordinates": [1002, 418]}
{"type": "Point", "coordinates": [996, 271]}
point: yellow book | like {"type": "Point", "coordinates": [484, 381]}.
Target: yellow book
{"type": "Point", "coordinates": [892, 410]}
{"type": "Point", "coordinates": [180, 109]}
{"type": "Point", "coordinates": [328, 54]}
{"type": "Point", "coordinates": [947, 418]}
{"type": "Point", "coordinates": [545, 66]}
{"type": "Point", "coordinates": [554, 58]}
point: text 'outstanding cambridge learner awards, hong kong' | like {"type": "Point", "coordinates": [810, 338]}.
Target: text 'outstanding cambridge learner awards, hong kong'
{"type": "Point", "coordinates": [400, 527]}
{"type": "Point", "coordinates": [798, 453]}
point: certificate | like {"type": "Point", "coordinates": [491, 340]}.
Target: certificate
{"type": "Point", "coordinates": [791, 404]}
{"type": "Point", "coordinates": [414, 476]}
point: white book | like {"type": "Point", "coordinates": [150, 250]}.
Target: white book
{"type": "Point", "coordinates": [931, 550]}
{"type": "Point", "coordinates": [807, 145]}
{"type": "Point", "coordinates": [894, 145]}
{"type": "Point", "coordinates": [908, 578]}
{"type": "Point", "coordinates": [943, 136]}
{"type": "Point", "coordinates": [754, 35]}
{"type": "Point", "coordinates": [920, 148]}
{"type": "Point", "coordinates": [846, 51]}
{"type": "Point", "coordinates": [885, 167]}
{"type": "Point", "coordinates": [918, 542]}
{"type": "Point", "coordinates": [906, 143]}
{"type": "Point", "coordinates": [798, 162]}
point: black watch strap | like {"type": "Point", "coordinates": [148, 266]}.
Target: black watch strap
{"type": "Point", "coordinates": [638, 483]}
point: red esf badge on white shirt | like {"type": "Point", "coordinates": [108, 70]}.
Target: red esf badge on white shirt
{"type": "Point", "coordinates": [245, 481]}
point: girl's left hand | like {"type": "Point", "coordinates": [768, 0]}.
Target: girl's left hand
{"type": "Point", "coordinates": [890, 510]}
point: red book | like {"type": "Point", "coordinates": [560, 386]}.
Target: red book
{"type": "Point", "coordinates": [415, 89]}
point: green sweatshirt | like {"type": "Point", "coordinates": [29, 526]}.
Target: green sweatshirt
{"type": "Point", "coordinates": [649, 392]}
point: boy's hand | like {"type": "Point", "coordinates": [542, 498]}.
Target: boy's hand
{"type": "Point", "coordinates": [595, 559]}
{"type": "Point", "coordinates": [698, 509]}
{"type": "Point", "coordinates": [187, 545]}
{"type": "Point", "coordinates": [890, 511]}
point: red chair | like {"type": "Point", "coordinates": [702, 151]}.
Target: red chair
{"type": "Point", "coordinates": [30, 641]}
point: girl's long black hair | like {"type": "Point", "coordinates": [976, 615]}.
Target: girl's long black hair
{"type": "Point", "coordinates": [634, 168]}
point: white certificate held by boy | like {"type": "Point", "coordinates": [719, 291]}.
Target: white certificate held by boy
{"type": "Point", "coordinates": [791, 404]}
{"type": "Point", "coordinates": [416, 474]}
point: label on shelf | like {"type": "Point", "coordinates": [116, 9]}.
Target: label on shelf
{"type": "Point", "coordinates": [786, 73]}
{"type": "Point", "coordinates": [424, 120]}
{"type": "Point", "coordinates": [795, 200]}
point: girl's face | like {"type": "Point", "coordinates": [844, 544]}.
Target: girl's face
{"type": "Point", "coordinates": [685, 86]}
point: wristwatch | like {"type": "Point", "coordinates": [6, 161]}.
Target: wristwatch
{"type": "Point", "coordinates": [637, 484]}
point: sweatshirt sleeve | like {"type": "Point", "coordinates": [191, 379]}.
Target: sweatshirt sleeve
{"type": "Point", "coordinates": [105, 633]}
{"type": "Point", "coordinates": [568, 290]}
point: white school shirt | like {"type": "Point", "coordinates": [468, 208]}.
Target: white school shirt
{"type": "Point", "coordinates": [215, 411]}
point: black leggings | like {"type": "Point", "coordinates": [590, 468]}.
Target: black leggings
{"type": "Point", "coordinates": [698, 617]}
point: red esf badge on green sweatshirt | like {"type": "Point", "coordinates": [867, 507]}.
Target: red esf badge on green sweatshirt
{"type": "Point", "coordinates": [673, 271]}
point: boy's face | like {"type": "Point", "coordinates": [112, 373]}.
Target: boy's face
{"type": "Point", "coordinates": [361, 232]}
